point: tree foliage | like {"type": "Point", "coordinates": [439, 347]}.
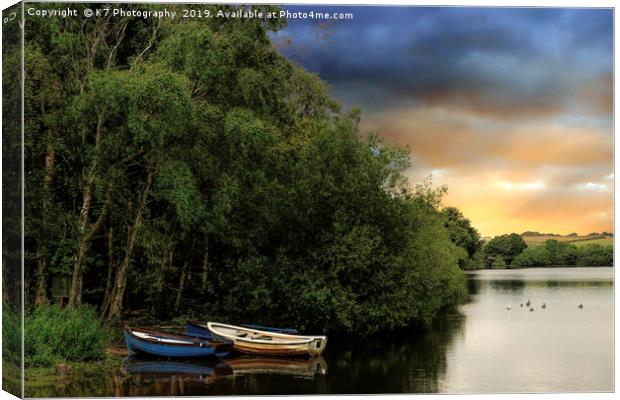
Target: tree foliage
{"type": "Point", "coordinates": [465, 236]}
{"type": "Point", "coordinates": [501, 250]}
{"type": "Point", "coordinates": [198, 172]}
{"type": "Point", "coordinates": [556, 253]}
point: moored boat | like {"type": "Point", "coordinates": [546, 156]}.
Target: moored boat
{"type": "Point", "coordinates": [257, 341]}
{"type": "Point", "coordinates": [291, 331]}
{"type": "Point", "coordinates": [169, 345]}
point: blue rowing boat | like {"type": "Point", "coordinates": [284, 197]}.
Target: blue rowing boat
{"type": "Point", "coordinates": [168, 345]}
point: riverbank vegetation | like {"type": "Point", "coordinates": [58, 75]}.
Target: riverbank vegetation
{"type": "Point", "coordinates": [53, 334]}
{"type": "Point", "coordinates": [511, 251]}
{"type": "Point", "coordinates": [185, 168]}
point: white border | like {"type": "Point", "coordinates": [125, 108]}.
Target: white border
{"type": "Point", "coordinates": [483, 3]}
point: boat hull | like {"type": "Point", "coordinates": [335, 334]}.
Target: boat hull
{"type": "Point", "coordinates": [196, 348]}
{"type": "Point", "coordinates": [294, 345]}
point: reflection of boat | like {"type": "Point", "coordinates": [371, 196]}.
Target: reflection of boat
{"type": "Point", "coordinates": [135, 364]}
{"type": "Point", "coordinates": [256, 341]}
{"type": "Point", "coordinates": [168, 345]}
{"type": "Point", "coordinates": [276, 365]}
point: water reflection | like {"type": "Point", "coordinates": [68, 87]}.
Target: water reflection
{"type": "Point", "coordinates": [300, 367]}
{"type": "Point", "coordinates": [199, 369]}
{"type": "Point", "coordinates": [402, 362]}
{"type": "Point", "coordinates": [480, 348]}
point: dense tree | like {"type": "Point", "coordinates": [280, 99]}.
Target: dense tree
{"type": "Point", "coordinates": [595, 255]}
{"type": "Point", "coordinates": [555, 253]}
{"type": "Point", "coordinates": [186, 167]}
{"type": "Point", "coordinates": [464, 235]}
{"type": "Point", "coordinates": [504, 247]}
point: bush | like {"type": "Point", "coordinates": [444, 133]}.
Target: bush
{"type": "Point", "coordinates": [595, 255]}
{"type": "Point", "coordinates": [53, 334]}
{"type": "Point", "coordinates": [11, 334]}
{"type": "Point", "coordinates": [506, 247]}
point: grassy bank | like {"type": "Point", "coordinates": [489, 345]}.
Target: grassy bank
{"type": "Point", "coordinates": [576, 240]}
{"type": "Point", "coordinates": [55, 335]}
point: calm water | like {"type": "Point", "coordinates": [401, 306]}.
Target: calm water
{"type": "Point", "coordinates": [480, 348]}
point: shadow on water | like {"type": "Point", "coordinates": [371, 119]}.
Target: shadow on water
{"type": "Point", "coordinates": [402, 362]}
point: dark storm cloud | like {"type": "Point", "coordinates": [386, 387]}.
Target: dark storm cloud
{"type": "Point", "coordinates": [497, 61]}
{"type": "Point", "coordinates": [511, 108]}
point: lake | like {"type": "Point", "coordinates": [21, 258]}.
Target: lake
{"type": "Point", "coordinates": [481, 347]}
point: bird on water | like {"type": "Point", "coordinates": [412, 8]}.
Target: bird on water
{"type": "Point", "coordinates": [532, 309]}
{"type": "Point", "coordinates": [580, 305]}
{"type": "Point", "coordinates": [544, 306]}
{"type": "Point", "coordinates": [528, 303]}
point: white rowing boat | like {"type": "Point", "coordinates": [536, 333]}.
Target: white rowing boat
{"type": "Point", "coordinates": [256, 341]}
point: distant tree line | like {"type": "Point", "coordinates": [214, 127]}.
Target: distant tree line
{"type": "Point", "coordinates": [511, 251]}
{"type": "Point", "coordinates": [572, 234]}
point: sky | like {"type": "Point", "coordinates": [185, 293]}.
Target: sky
{"type": "Point", "coordinates": [511, 108]}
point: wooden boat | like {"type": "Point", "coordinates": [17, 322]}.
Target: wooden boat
{"type": "Point", "coordinates": [196, 329]}
{"type": "Point", "coordinates": [168, 345]}
{"type": "Point", "coordinates": [256, 341]}
{"type": "Point", "coordinates": [291, 331]}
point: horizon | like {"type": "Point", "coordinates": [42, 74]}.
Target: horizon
{"type": "Point", "coordinates": [519, 129]}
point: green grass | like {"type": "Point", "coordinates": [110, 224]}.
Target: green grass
{"type": "Point", "coordinates": [534, 241]}
{"type": "Point", "coordinates": [605, 241]}
{"type": "Point", "coordinates": [54, 335]}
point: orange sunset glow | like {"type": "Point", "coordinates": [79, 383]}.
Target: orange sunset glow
{"type": "Point", "coordinates": [539, 175]}
{"type": "Point", "coordinates": [510, 108]}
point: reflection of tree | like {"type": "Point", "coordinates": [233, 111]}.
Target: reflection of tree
{"type": "Point", "coordinates": [473, 287]}
{"type": "Point", "coordinates": [573, 284]}
{"type": "Point", "coordinates": [401, 362]}
{"type": "Point", "coordinates": [512, 285]}
{"type": "Point", "coordinates": [411, 362]}
{"type": "Point", "coordinates": [477, 286]}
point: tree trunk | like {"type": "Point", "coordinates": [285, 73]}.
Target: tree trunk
{"type": "Point", "coordinates": [116, 299]}
{"type": "Point", "coordinates": [181, 286]}
{"type": "Point", "coordinates": [41, 294]}
{"type": "Point", "coordinates": [108, 285]}
{"type": "Point", "coordinates": [75, 292]}
{"type": "Point", "coordinates": [42, 256]}
{"type": "Point", "coordinates": [86, 231]}
{"type": "Point", "coordinates": [205, 265]}
{"type": "Point", "coordinates": [164, 266]}
{"type": "Point", "coordinates": [86, 234]}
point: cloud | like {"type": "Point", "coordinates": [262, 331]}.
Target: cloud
{"type": "Point", "coordinates": [506, 62]}
{"type": "Point", "coordinates": [447, 137]}
{"type": "Point", "coordinates": [521, 186]}
{"type": "Point", "coordinates": [549, 175]}
{"type": "Point", "coordinates": [511, 108]}
{"type": "Point", "coordinates": [600, 187]}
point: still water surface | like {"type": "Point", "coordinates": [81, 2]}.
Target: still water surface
{"type": "Point", "coordinates": [480, 348]}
